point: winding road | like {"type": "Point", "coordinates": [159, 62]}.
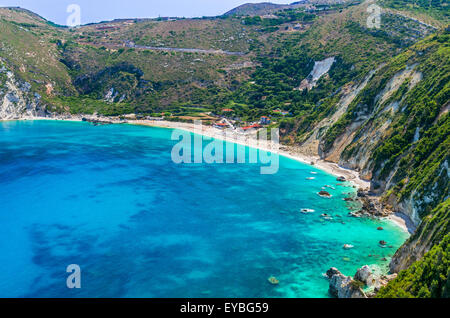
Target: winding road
{"type": "Point", "coordinates": [185, 50]}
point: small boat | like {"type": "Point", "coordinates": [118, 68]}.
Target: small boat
{"type": "Point", "coordinates": [306, 211]}
{"type": "Point", "coordinates": [310, 178]}
{"type": "Point", "coordinates": [348, 246]}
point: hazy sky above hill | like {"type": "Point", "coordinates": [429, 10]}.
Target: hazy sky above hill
{"type": "Point", "coordinates": [100, 10]}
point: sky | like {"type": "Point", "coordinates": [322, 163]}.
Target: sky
{"type": "Point", "coordinates": [103, 10]}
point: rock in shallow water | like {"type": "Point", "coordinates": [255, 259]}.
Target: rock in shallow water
{"type": "Point", "coordinates": [364, 274]}
{"type": "Point", "coordinates": [342, 286]}
{"type": "Point", "coordinates": [274, 281]}
{"type": "Point", "coordinates": [332, 271]}
{"type": "Point", "coordinates": [325, 194]}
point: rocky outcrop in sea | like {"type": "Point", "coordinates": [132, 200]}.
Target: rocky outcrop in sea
{"type": "Point", "coordinates": [365, 284]}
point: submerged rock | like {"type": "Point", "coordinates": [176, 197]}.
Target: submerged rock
{"type": "Point", "coordinates": [273, 281]}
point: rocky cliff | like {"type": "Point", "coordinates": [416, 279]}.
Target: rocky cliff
{"type": "Point", "coordinates": [16, 97]}
{"type": "Point", "coordinates": [394, 128]}
{"type": "Point", "coordinates": [428, 277]}
{"type": "Point", "coordinates": [396, 132]}
{"type": "Point", "coordinates": [431, 232]}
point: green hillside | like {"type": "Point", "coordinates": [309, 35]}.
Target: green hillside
{"type": "Point", "coordinates": [411, 152]}
{"type": "Point", "coordinates": [433, 11]}
{"type": "Point", "coordinates": [343, 35]}
{"type": "Point", "coordinates": [29, 50]}
{"type": "Point", "coordinates": [430, 276]}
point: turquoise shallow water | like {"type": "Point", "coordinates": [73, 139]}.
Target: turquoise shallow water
{"type": "Point", "coordinates": [110, 199]}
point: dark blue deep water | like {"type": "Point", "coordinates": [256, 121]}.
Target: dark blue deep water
{"type": "Point", "coordinates": [110, 199]}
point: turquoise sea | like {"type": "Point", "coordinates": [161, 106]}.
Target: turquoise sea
{"type": "Point", "coordinates": [110, 199]}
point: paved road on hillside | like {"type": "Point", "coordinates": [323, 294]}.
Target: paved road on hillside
{"type": "Point", "coordinates": [185, 50]}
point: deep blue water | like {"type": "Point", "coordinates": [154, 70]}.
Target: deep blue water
{"type": "Point", "coordinates": [110, 199]}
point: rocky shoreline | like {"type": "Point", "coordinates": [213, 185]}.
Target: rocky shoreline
{"type": "Point", "coordinates": [371, 206]}
{"type": "Point", "coordinates": [365, 284]}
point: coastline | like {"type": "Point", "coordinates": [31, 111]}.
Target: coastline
{"type": "Point", "coordinates": [291, 152]}
{"type": "Point", "coordinates": [286, 151]}
{"type": "Point", "coordinates": [403, 221]}
{"type": "Point", "coordinates": [352, 176]}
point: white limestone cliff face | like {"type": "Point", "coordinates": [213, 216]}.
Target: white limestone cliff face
{"type": "Point", "coordinates": [311, 146]}
{"type": "Point", "coordinates": [354, 149]}
{"type": "Point", "coordinates": [16, 98]}
{"type": "Point", "coordinates": [110, 96]}
{"type": "Point", "coordinates": [418, 200]}
{"type": "Point", "coordinates": [320, 69]}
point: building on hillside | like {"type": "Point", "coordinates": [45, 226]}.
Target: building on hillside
{"type": "Point", "coordinates": [254, 126]}
{"type": "Point", "coordinates": [265, 120]}
{"type": "Point", "coordinates": [221, 125]}
{"type": "Point", "coordinates": [281, 112]}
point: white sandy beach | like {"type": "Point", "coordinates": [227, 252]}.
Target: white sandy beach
{"type": "Point", "coordinates": [287, 151]}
